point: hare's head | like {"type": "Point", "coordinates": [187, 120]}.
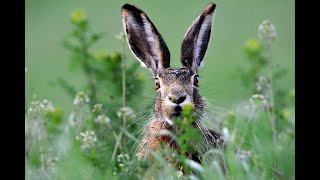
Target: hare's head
{"type": "Point", "coordinates": [175, 86]}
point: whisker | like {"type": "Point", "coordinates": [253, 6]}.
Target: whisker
{"type": "Point", "coordinates": [212, 123]}
{"type": "Point", "coordinates": [205, 116]}
{"type": "Point", "coordinates": [201, 130]}
{"type": "Point", "coordinates": [209, 113]}
{"type": "Point", "coordinates": [217, 107]}
{"type": "Point", "coordinates": [143, 128]}
{"type": "Point", "coordinates": [138, 119]}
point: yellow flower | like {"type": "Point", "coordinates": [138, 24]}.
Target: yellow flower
{"type": "Point", "coordinates": [285, 113]}
{"type": "Point", "coordinates": [188, 109]}
{"type": "Point", "coordinates": [292, 93]}
{"type": "Point", "coordinates": [100, 55]}
{"type": "Point", "coordinates": [252, 46]}
{"type": "Point", "coordinates": [78, 16]}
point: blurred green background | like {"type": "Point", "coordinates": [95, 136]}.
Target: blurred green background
{"type": "Point", "coordinates": [47, 23]}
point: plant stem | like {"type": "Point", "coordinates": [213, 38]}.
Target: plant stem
{"type": "Point", "coordinates": [88, 71]}
{"type": "Point", "coordinates": [25, 105]}
{"type": "Point", "coordinates": [42, 175]}
{"type": "Point", "coordinates": [78, 124]}
{"type": "Point", "coordinates": [116, 146]}
{"type": "Point", "coordinates": [271, 112]}
{"type": "Point", "coordinates": [123, 69]}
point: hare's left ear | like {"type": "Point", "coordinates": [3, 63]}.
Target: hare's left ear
{"type": "Point", "coordinates": [196, 39]}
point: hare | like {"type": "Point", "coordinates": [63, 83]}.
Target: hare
{"type": "Point", "coordinates": [175, 86]}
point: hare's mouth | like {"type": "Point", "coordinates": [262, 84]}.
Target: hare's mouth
{"type": "Point", "coordinates": [174, 112]}
{"type": "Point", "coordinates": [177, 111]}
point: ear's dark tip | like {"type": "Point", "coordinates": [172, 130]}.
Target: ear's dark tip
{"type": "Point", "coordinates": [210, 8]}
{"type": "Point", "coordinates": [130, 8]}
{"type": "Point", "coordinates": [127, 6]}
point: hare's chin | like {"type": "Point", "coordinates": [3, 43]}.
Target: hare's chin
{"type": "Point", "coordinates": [170, 122]}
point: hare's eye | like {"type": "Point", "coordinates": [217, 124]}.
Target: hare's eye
{"type": "Point", "coordinates": [196, 80]}
{"type": "Point", "coordinates": [157, 82]}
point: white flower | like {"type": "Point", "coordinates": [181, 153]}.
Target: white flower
{"type": "Point", "coordinates": [120, 36]}
{"type": "Point", "coordinates": [107, 120]}
{"type": "Point", "coordinates": [39, 107]}
{"type": "Point", "coordinates": [81, 99]}
{"type": "Point", "coordinates": [82, 134]}
{"type": "Point", "coordinates": [267, 32]}
{"type": "Point", "coordinates": [97, 107]}
{"type": "Point", "coordinates": [87, 140]}
{"type": "Point", "coordinates": [102, 119]}
{"type": "Point", "coordinates": [262, 84]}
{"type": "Point", "coordinates": [226, 133]}
{"type": "Point", "coordinates": [47, 105]}
{"type": "Point", "coordinates": [259, 100]}
{"type": "Point", "coordinates": [51, 162]}
{"type": "Point", "coordinates": [126, 156]}
{"type": "Point", "coordinates": [125, 112]}
{"type": "Point", "coordinates": [179, 174]}
{"type": "Point", "coordinates": [123, 159]}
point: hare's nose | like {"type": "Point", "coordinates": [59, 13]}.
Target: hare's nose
{"type": "Point", "coordinates": [177, 100]}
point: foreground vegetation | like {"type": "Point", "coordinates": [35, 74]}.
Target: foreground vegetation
{"type": "Point", "coordinates": [98, 139]}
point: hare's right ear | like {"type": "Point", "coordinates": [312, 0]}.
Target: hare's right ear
{"type": "Point", "coordinates": [144, 39]}
{"type": "Point", "coordinates": [197, 38]}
